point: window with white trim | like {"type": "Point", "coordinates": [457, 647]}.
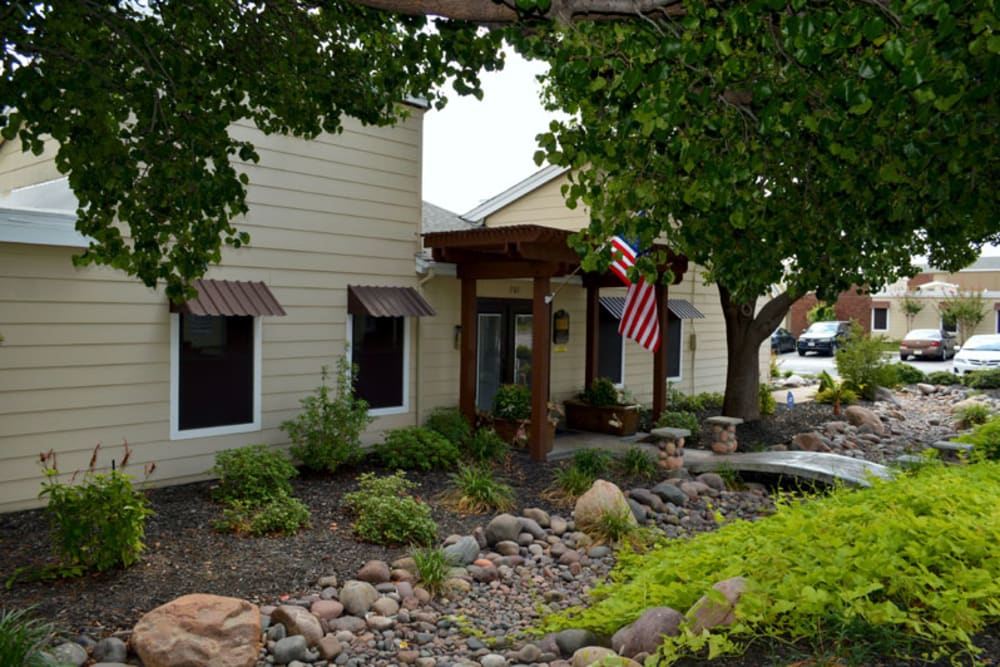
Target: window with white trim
{"type": "Point", "coordinates": [880, 319]}
{"type": "Point", "coordinates": [380, 351]}
{"type": "Point", "coordinates": [215, 375]}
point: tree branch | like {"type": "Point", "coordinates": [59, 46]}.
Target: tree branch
{"type": "Point", "coordinates": [562, 11]}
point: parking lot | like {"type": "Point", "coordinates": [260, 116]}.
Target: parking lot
{"type": "Point", "coordinates": [812, 364]}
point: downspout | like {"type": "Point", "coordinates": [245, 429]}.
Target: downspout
{"type": "Point", "coordinates": [420, 360]}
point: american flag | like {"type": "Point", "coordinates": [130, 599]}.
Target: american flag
{"type": "Point", "coordinates": [640, 319]}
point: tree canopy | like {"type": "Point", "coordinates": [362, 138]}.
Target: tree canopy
{"type": "Point", "coordinates": [813, 145]}
{"type": "Point", "coordinates": [139, 96]}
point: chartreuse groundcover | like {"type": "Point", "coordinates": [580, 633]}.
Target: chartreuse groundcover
{"type": "Point", "coordinates": [909, 568]}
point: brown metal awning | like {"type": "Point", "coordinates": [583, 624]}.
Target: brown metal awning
{"type": "Point", "coordinates": [681, 308]}
{"type": "Point", "coordinates": [230, 298]}
{"type": "Point", "coordinates": [386, 302]}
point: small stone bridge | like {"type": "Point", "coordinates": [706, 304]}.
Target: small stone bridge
{"type": "Point", "coordinates": [826, 468]}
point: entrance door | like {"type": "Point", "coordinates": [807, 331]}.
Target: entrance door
{"type": "Point", "coordinates": [503, 346]}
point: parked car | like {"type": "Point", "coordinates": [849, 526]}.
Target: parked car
{"type": "Point", "coordinates": [782, 340]}
{"type": "Point", "coordinates": [823, 337]}
{"type": "Point", "coordinates": [927, 344]}
{"type": "Point", "coordinates": [980, 353]}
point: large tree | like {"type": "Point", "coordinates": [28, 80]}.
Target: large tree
{"type": "Point", "coordinates": [813, 145]}
{"type": "Point", "coordinates": [139, 96]}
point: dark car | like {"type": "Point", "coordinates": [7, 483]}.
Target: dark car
{"type": "Point", "coordinates": [927, 344]}
{"type": "Point", "coordinates": [782, 340]}
{"type": "Point", "coordinates": [823, 337]}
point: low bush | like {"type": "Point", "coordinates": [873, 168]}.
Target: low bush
{"type": "Point", "coordinates": [637, 462]}
{"type": "Point", "coordinates": [572, 482]}
{"type": "Point", "coordinates": [986, 440]}
{"type": "Point", "coordinates": [907, 374]}
{"type": "Point", "coordinates": [982, 379]}
{"type": "Point", "coordinates": [23, 639]}
{"type": "Point", "coordinates": [943, 378]}
{"type": "Point", "coordinates": [254, 473]}
{"type": "Point", "coordinates": [612, 527]}
{"type": "Point", "coordinates": [512, 401]}
{"type": "Point", "coordinates": [327, 434]}
{"type": "Point", "coordinates": [450, 423]}
{"type": "Point", "coordinates": [833, 396]}
{"type": "Point", "coordinates": [766, 400]}
{"type": "Point", "coordinates": [97, 524]}
{"type": "Point", "coordinates": [485, 446]}
{"type": "Point", "coordinates": [386, 514]}
{"type": "Point", "coordinates": [417, 448]}
{"type": "Point", "coordinates": [706, 400]}
{"type": "Point", "coordinates": [279, 515]}
{"type": "Point", "coordinates": [680, 419]}
{"type": "Point", "coordinates": [913, 563]}
{"type": "Point", "coordinates": [601, 393]}
{"type": "Point", "coordinates": [862, 365]}
{"type": "Point", "coordinates": [432, 568]}
{"type": "Point", "coordinates": [594, 462]}
{"type": "Point", "coordinates": [477, 490]}
{"type": "Point", "coordinates": [973, 414]}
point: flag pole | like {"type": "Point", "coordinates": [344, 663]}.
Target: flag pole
{"type": "Point", "coordinates": [549, 298]}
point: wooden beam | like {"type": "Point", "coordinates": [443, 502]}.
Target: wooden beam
{"type": "Point", "coordinates": [540, 353]}
{"type": "Point", "coordinates": [504, 269]}
{"type": "Point", "coordinates": [467, 357]}
{"type": "Point", "coordinates": [660, 356]}
{"type": "Point", "coordinates": [593, 332]}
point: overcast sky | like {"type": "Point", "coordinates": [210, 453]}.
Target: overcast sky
{"type": "Point", "coordinates": [475, 149]}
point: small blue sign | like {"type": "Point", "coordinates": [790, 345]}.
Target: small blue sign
{"type": "Point", "coordinates": [790, 401]}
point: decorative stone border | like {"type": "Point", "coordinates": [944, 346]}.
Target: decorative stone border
{"type": "Point", "coordinates": [671, 444]}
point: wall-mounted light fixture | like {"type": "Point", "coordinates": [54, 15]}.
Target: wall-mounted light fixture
{"type": "Point", "coordinates": [560, 327]}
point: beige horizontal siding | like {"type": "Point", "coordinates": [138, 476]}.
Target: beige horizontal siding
{"type": "Point", "coordinates": [18, 169]}
{"type": "Point", "coordinates": [86, 352]}
{"type": "Point", "coordinates": [544, 206]}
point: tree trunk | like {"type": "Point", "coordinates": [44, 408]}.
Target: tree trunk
{"type": "Point", "coordinates": [746, 330]}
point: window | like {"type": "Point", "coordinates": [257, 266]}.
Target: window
{"type": "Point", "coordinates": [380, 351]}
{"type": "Point", "coordinates": [675, 332]}
{"type": "Point", "coordinates": [880, 319]}
{"type": "Point", "coordinates": [215, 375]}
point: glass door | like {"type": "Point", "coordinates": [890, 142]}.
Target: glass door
{"type": "Point", "coordinates": [503, 339]}
{"type": "Point", "coordinates": [489, 350]}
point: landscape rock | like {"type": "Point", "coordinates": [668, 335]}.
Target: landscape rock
{"type": "Point", "coordinates": [111, 649]}
{"type": "Point", "coordinates": [503, 527]}
{"type": "Point", "coordinates": [358, 597]}
{"type": "Point", "coordinates": [374, 572]}
{"type": "Point", "coordinates": [670, 493]}
{"type": "Point", "coordinates": [708, 613]}
{"type": "Point", "coordinates": [69, 653]}
{"type": "Point", "coordinates": [572, 640]}
{"type": "Point", "coordinates": [857, 415]}
{"type": "Point", "coordinates": [464, 551]}
{"type": "Point", "coordinates": [603, 498]}
{"type": "Point", "coordinates": [298, 621]}
{"type": "Point", "coordinates": [646, 634]}
{"type": "Point", "coordinates": [810, 442]}
{"type": "Point", "coordinates": [538, 515]}
{"type": "Point", "coordinates": [290, 648]}
{"type": "Point", "coordinates": [196, 629]}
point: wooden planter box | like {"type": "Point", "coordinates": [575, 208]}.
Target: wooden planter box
{"type": "Point", "coordinates": [507, 429]}
{"type": "Point", "coordinates": [615, 419]}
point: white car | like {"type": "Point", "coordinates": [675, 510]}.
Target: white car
{"type": "Point", "coordinates": [980, 353]}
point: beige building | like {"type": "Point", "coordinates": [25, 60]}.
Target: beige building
{"type": "Point", "coordinates": [92, 356]}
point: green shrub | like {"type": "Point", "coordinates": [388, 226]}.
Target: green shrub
{"type": "Point", "coordinates": [386, 514]}
{"type": "Point", "coordinates": [573, 482]}
{"type": "Point", "coordinates": [97, 524]}
{"type": "Point", "coordinates": [485, 445]}
{"type": "Point", "coordinates": [416, 447]}
{"type": "Point", "coordinates": [327, 434]}
{"type": "Point", "coordinates": [637, 462]}
{"type": "Point", "coordinates": [432, 568]}
{"type": "Point", "coordinates": [601, 393]}
{"type": "Point", "coordinates": [477, 490]}
{"type": "Point", "coordinates": [680, 419]}
{"type": "Point", "coordinates": [278, 515]}
{"type": "Point", "coordinates": [594, 462]}
{"type": "Point", "coordinates": [766, 399]}
{"type": "Point", "coordinates": [711, 400]}
{"type": "Point", "coordinates": [907, 374]}
{"type": "Point", "coordinates": [450, 423]}
{"type": "Point", "coordinates": [844, 396]}
{"type": "Point", "coordinates": [512, 401]}
{"type": "Point", "coordinates": [982, 379]}
{"type": "Point", "coordinates": [612, 527]}
{"type": "Point", "coordinates": [943, 378]}
{"type": "Point", "coordinates": [23, 639]}
{"type": "Point", "coordinates": [862, 366]}
{"type": "Point", "coordinates": [915, 561]}
{"type": "Point", "coordinates": [973, 414]}
{"type": "Point", "coordinates": [986, 440]}
{"type": "Point", "coordinates": [254, 473]}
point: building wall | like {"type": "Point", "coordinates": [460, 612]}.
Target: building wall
{"type": "Point", "coordinates": [19, 169]}
{"type": "Point", "coordinates": [849, 306]}
{"type": "Point", "coordinates": [86, 351]}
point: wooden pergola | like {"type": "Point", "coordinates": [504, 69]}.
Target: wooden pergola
{"type": "Point", "coordinates": [540, 253]}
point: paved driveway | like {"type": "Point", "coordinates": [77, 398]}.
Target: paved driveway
{"type": "Point", "coordinates": [813, 365]}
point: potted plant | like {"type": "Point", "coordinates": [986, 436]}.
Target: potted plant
{"type": "Point", "coordinates": [512, 416]}
{"type": "Point", "coordinates": [602, 409]}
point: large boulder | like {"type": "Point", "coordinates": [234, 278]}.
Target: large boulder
{"type": "Point", "coordinates": [602, 499]}
{"type": "Point", "coordinates": [503, 527]}
{"type": "Point", "coordinates": [199, 629]}
{"type": "Point", "coordinates": [298, 621]}
{"type": "Point", "coordinates": [710, 612]}
{"type": "Point", "coordinates": [358, 597]}
{"type": "Point", "coordinates": [811, 442]}
{"type": "Point", "coordinates": [646, 634]}
{"type": "Point", "coordinates": [859, 416]}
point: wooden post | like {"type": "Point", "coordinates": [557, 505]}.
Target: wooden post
{"type": "Point", "coordinates": [660, 356]}
{"type": "Point", "coordinates": [593, 325]}
{"type": "Point", "coordinates": [540, 353]}
{"type": "Point", "coordinates": [467, 358]}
